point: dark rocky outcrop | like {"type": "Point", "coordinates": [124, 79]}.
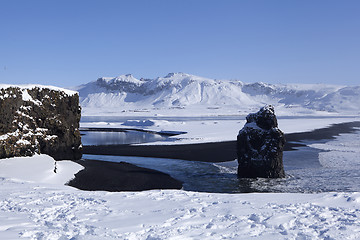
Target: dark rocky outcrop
{"type": "Point", "coordinates": [260, 146]}
{"type": "Point", "coordinates": [39, 120]}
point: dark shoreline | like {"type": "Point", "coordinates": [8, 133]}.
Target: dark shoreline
{"type": "Point", "coordinates": [161, 133]}
{"type": "Point", "coordinates": [109, 176]}
{"type": "Point", "coordinates": [116, 177]}
{"type": "Point", "coordinates": [216, 151]}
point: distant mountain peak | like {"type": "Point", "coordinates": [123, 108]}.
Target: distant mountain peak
{"type": "Point", "coordinates": [173, 74]}
{"type": "Point", "coordinates": [182, 89]}
{"type": "Point", "coordinates": [126, 78]}
{"type": "Point", "coordinates": [180, 76]}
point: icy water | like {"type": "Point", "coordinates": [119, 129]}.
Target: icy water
{"type": "Point", "coordinates": [109, 119]}
{"type": "Point", "coordinates": [125, 137]}
{"type": "Point", "coordinates": [320, 167]}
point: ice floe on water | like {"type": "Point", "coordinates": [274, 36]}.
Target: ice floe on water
{"type": "Point", "coordinates": [342, 153]}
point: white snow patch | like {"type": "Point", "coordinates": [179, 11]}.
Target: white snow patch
{"type": "Point", "coordinates": [4, 137]}
{"type": "Point", "coordinates": [26, 97]}
{"type": "Point", "coordinates": [26, 115]}
{"type": "Point", "coordinates": [50, 137]}
{"type": "Point", "coordinates": [7, 135]}
{"type": "Point", "coordinates": [23, 142]}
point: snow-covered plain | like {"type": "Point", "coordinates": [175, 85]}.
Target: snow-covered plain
{"type": "Point", "coordinates": [36, 210]}
{"type": "Point", "coordinates": [35, 204]}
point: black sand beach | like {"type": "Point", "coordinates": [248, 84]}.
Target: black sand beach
{"type": "Point", "coordinates": [115, 177]}
{"type": "Point", "coordinates": [108, 176]}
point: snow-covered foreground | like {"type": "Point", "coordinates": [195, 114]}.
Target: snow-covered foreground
{"type": "Point", "coordinates": [33, 207]}
{"type": "Point", "coordinates": [37, 211]}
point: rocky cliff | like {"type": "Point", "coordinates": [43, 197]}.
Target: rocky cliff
{"type": "Point", "coordinates": [260, 145]}
{"type": "Point", "coordinates": [39, 120]}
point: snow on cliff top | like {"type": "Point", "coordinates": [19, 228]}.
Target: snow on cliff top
{"type": "Point", "coordinates": [31, 86]}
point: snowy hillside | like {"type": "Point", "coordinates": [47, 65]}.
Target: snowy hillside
{"type": "Point", "coordinates": [188, 92]}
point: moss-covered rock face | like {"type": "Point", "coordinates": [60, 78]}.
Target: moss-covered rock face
{"type": "Point", "coordinates": [39, 120]}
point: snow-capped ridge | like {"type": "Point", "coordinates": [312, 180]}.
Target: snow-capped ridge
{"type": "Point", "coordinates": [184, 90]}
{"type": "Point", "coordinates": [182, 76]}
{"type": "Point", "coordinates": [127, 78]}
{"type": "Point", "coordinates": [172, 74]}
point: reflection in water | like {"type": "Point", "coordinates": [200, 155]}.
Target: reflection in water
{"type": "Point", "coordinates": [125, 137]}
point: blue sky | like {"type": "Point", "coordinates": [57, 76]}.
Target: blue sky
{"type": "Point", "coordinates": [68, 43]}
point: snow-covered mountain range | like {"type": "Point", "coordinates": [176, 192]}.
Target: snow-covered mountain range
{"type": "Point", "coordinates": [189, 92]}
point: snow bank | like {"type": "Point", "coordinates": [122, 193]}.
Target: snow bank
{"type": "Point", "coordinates": [39, 169]}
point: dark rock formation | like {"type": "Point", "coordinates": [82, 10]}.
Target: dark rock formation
{"type": "Point", "coordinates": [260, 146]}
{"type": "Point", "coordinates": [39, 120]}
{"type": "Point", "coordinates": [115, 177]}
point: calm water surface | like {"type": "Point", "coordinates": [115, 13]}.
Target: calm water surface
{"type": "Point", "coordinates": [304, 172]}
{"type": "Point", "coordinates": [126, 137]}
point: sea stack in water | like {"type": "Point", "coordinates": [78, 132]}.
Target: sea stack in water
{"type": "Point", "coordinates": [260, 145]}
{"type": "Point", "coordinates": [38, 119]}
